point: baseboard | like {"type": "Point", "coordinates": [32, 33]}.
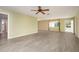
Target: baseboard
{"type": "Point", "coordinates": [77, 36]}
{"type": "Point", "coordinates": [22, 35]}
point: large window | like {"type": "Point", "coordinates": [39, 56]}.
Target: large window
{"type": "Point", "coordinates": [54, 25]}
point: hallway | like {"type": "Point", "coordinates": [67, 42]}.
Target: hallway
{"type": "Point", "coordinates": [44, 41]}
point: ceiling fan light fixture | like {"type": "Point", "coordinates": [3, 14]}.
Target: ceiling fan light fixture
{"type": "Point", "coordinates": [40, 10]}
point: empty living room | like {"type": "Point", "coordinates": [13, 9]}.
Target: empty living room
{"type": "Point", "coordinates": [39, 28]}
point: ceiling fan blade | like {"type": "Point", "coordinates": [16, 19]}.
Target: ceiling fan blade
{"type": "Point", "coordinates": [33, 10]}
{"type": "Point", "coordinates": [37, 12]}
{"type": "Point", "coordinates": [45, 10]}
{"type": "Point", "coordinates": [42, 12]}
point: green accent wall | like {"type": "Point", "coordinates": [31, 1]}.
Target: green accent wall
{"type": "Point", "coordinates": [62, 26]}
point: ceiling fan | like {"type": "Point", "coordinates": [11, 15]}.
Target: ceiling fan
{"type": "Point", "coordinates": [40, 10]}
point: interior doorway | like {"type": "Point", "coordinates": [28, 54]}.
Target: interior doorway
{"type": "Point", "coordinates": [69, 25]}
{"type": "Point", "coordinates": [3, 26]}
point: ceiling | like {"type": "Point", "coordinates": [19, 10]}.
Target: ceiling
{"type": "Point", "coordinates": [55, 11]}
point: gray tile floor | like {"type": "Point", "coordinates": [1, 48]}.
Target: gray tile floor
{"type": "Point", "coordinates": [44, 41]}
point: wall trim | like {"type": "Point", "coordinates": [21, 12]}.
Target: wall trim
{"type": "Point", "coordinates": [22, 35]}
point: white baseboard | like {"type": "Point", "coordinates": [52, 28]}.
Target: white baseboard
{"type": "Point", "coordinates": [77, 35]}
{"type": "Point", "coordinates": [21, 35]}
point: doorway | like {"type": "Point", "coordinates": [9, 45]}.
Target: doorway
{"type": "Point", "coordinates": [69, 26]}
{"type": "Point", "coordinates": [3, 26]}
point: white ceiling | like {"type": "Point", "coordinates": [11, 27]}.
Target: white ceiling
{"type": "Point", "coordinates": [55, 11]}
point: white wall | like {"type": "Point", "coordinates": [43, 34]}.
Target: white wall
{"type": "Point", "coordinates": [77, 25]}
{"type": "Point", "coordinates": [20, 24]}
